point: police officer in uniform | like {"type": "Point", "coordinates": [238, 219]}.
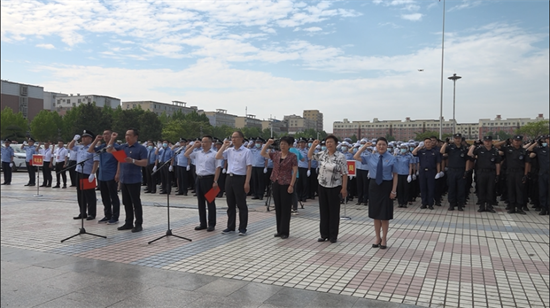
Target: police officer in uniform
{"type": "Point", "coordinates": [7, 161]}
{"type": "Point", "coordinates": [30, 150]}
{"type": "Point", "coordinates": [164, 154]}
{"type": "Point", "coordinates": [487, 172]}
{"type": "Point", "coordinates": [259, 165]}
{"type": "Point", "coordinates": [152, 179]}
{"type": "Point", "coordinates": [541, 152]}
{"type": "Point", "coordinates": [516, 174]}
{"type": "Point", "coordinates": [430, 164]}
{"type": "Point", "coordinates": [457, 171]}
{"type": "Point", "coordinates": [181, 163]}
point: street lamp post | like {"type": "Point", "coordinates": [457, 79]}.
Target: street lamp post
{"type": "Point", "coordinates": [441, 89]}
{"type": "Point", "coordinates": [454, 78]}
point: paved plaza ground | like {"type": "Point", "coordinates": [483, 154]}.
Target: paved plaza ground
{"type": "Point", "coordinates": [435, 258]}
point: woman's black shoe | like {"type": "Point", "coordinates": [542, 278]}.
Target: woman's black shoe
{"type": "Point", "coordinates": [377, 245]}
{"type": "Point", "coordinates": [276, 235]}
{"type": "Point", "coordinates": [322, 239]}
{"type": "Point", "coordinates": [383, 246]}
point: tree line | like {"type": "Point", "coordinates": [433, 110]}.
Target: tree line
{"type": "Point", "coordinates": [49, 125]}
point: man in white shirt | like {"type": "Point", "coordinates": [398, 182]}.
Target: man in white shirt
{"type": "Point", "coordinates": [46, 152]}
{"type": "Point", "coordinates": [61, 155]}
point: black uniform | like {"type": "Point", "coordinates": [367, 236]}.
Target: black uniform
{"type": "Point", "coordinates": [486, 176]}
{"type": "Point", "coordinates": [429, 159]}
{"type": "Point", "coordinates": [515, 177]}
{"type": "Point", "coordinates": [456, 175]}
{"type": "Point", "coordinates": [543, 158]}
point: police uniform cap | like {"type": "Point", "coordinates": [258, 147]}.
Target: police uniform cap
{"type": "Point", "coordinates": [488, 138]}
{"type": "Point", "coordinates": [518, 137]}
{"type": "Point", "coordinates": [183, 139]}
{"type": "Point", "coordinates": [457, 135]}
{"type": "Point", "coordinates": [7, 140]}
{"type": "Point", "coordinates": [260, 139]}
{"type": "Point", "coordinates": [302, 140]}
{"type": "Point", "coordinates": [310, 140]}
{"type": "Point", "coordinates": [88, 133]}
{"type": "Point", "coordinates": [32, 139]}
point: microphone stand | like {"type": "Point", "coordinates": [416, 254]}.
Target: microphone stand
{"type": "Point", "coordinates": [168, 231]}
{"type": "Point", "coordinates": [81, 184]}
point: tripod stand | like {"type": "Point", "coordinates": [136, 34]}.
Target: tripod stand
{"type": "Point", "coordinates": [268, 200]}
{"type": "Point", "coordinates": [81, 178]}
{"type": "Point", "coordinates": [168, 231]}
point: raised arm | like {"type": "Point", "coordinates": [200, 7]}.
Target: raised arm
{"type": "Point", "coordinates": [312, 149]}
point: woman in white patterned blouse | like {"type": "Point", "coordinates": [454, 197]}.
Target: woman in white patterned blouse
{"type": "Point", "coordinates": [333, 181]}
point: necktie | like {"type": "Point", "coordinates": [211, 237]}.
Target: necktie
{"type": "Point", "coordinates": [149, 156]}
{"type": "Point", "coordinates": [379, 171]}
{"type": "Point", "coordinates": [163, 153]}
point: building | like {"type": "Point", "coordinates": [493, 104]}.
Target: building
{"type": "Point", "coordinates": [279, 127]}
{"type": "Point", "coordinates": [24, 98]}
{"type": "Point", "coordinates": [315, 116]}
{"type": "Point", "coordinates": [408, 129]}
{"type": "Point", "coordinates": [220, 117]}
{"type": "Point", "coordinates": [248, 120]}
{"type": "Point", "coordinates": [296, 124]}
{"type": "Point", "coordinates": [65, 103]}
{"type": "Point", "coordinates": [159, 108]}
{"type": "Point", "coordinates": [50, 99]}
{"type": "Point", "coordinates": [508, 126]}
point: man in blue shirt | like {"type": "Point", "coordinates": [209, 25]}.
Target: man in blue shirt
{"type": "Point", "coordinates": [312, 179]}
{"type": "Point", "coordinates": [86, 167]}
{"type": "Point", "coordinates": [7, 161]}
{"type": "Point", "coordinates": [164, 154]}
{"type": "Point", "coordinates": [129, 175]}
{"type": "Point", "coordinates": [295, 192]}
{"type": "Point", "coordinates": [259, 164]}
{"type": "Point", "coordinates": [152, 179]}
{"type": "Point", "coordinates": [181, 162]}
{"type": "Point", "coordinates": [362, 175]}
{"type": "Point", "coordinates": [30, 150]}
{"type": "Point", "coordinates": [107, 184]}
{"type": "Point", "coordinates": [303, 167]}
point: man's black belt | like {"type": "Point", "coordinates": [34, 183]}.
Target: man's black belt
{"type": "Point", "coordinates": [235, 175]}
{"type": "Point", "coordinates": [200, 177]}
{"type": "Point", "coordinates": [428, 169]}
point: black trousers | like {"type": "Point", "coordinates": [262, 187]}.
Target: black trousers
{"type": "Point", "coordinates": [485, 181]}
{"type": "Point", "coordinates": [72, 172]}
{"type": "Point", "coordinates": [32, 173]}
{"type": "Point", "coordinates": [144, 176]}
{"type": "Point", "coordinates": [58, 167]}
{"type": "Point", "coordinates": [302, 184]}
{"type": "Point", "coordinates": [543, 190]}
{"type": "Point", "coordinates": [221, 183]}
{"type": "Point", "coordinates": [403, 188]}
{"type": "Point", "coordinates": [87, 200]}
{"type": "Point", "coordinates": [7, 172]}
{"type": "Point", "coordinates": [132, 203]}
{"type": "Point", "coordinates": [47, 174]}
{"type": "Point", "coordinates": [427, 186]}
{"type": "Point", "coordinates": [362, 185]}
{"type": "Point", "coordinates": [329, 211]}
{"type": "Point", "coordinates": [152, 179]}
{"type": "Point", "coordinates": [313, 182]}
{"type": "Point", "coordinates": [258, 182]}
{"type": "Point", "coordinates": [203, 185]}
{"type": "Point", "coordinates": [181, 173]}
{"type": "Point", "coordinates": [515, 188]}
{"type": "Point", "coordinates": [457, 185]}
{"type": "Point", "coordinates": [236, 197]}
{"type": "Point", "coordinates": [109, 197]}
{"type": "Point", "coordinates": [283, 203]}
{"type": "Point", "coordinates": [165, 179]}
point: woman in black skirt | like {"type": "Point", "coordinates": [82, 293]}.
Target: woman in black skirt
{"type": "Point", "coordinates": [382, 187]}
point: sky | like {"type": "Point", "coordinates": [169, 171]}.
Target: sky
{"type": "Point", "coordinates": [355, 60]}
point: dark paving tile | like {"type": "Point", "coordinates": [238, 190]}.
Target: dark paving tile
{"type": "Point", "coordinates": [222, 286]}
{"type": "Point", "coordinates": [187, 282]}
{"type": "Point", "coordinates": [213, 301]}
{"type": "Point", "coordinates": [159, 297]}
{"type": "Point", "coordinates": [288, 297]}
{"type": "Point", "coordinates": [256, 292]}
{"type": "Point", "coordinates": [28, 295]}
{"type": "Point", "coordinates": [67, 302]}
{"type": "Point", "coordinates": [332, 300]}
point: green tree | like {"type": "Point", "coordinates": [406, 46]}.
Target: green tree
{"type": "Point", "coordinates": [534, 129]}
{"type": "Point", "coordinates": [126, 119]}
{"type": "Point", "coordinates": [502, 135]}
{"type": "Point", "coordinates": [420, 136]}
{"type": "Point", "coordinates": [151, 127]}
{"type": "Point", "coordinates": [14, 125]}
{"type": "Point", "coordinates": [390, 137]}
{"type": "Point", "coordinates": [47, 125]}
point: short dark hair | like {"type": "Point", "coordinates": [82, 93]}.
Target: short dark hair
{"type": "Point", "coordinates": [209, 137]}
{"type": "Point", "coordinates": [382, 139]}
{"type": "Point", "coordinates": [434, 137]}
{"type": "Point", "coordinates": [288, 139]}
{"type": "Point", "coordinates": [332, 137]}
{"type": "Point", "coordinates": [239, 133]}
{"type": "Point", "coordinates": [427, 138]}
{"type": "Point", "coordinates": [134, 130]}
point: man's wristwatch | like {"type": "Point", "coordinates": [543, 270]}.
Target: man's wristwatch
{"type": "Point", "coordinates": [393, 193]}
{"type": "Point", "coordinates": [133, 161]}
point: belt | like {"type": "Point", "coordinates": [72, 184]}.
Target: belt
{"type": "Point", "coordinates": [204, 176]}
{"type": "Point", "coordinates": [428, 169]}
{"type": "Point", "coordinates": [236, 175]}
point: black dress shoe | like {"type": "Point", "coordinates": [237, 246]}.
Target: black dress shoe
{"type": "Point", "coordinates": [200, 228]}
{"type": "Point", "coordinates": [43, 185]}
{"type": "Point", "coordinates": [333, 240]}
{"type": "Point", "coordinates": [79, 217]}
{"type": "Point", "coordinates": [284, 237]}
{"type": "Point", "coordinates": [28, 184]}
{"type": "Point", "coordinates": [64, 186]}
{"type": "Point", "coordinates": [125, 227]}
{"type": "Point", "coordinates": [137, 229]}
{"type": "Point", "coordinates": [210, 229]}
{"type": "Point", "coordinates": [146, 191]}
{"type": "Point", "coordinates": [383, 246]}
{"type": "Point", "coordinates": [56, 186]}
{"type": "Point", "coordinates": [322, 239]}
{"type": "Point", "coordinates": [255, 198]}
{"type": "Point", "coordinates": [178, 194]}
{"type": "Point", "coordinates": [431, 207]}
{"type": "Point", "coordinates": [32, 184]}
{"type": "Point", "coordinates": [520, 211]}
{"type": "Point", "coordinates": [90, 217]}
{"type": "Point", "coordinates": [423, 207]}
{"type": "Point", "coordinates": [276, 235]}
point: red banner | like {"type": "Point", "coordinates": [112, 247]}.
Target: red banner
{"type": "Point", "coordinates": [37, 160]}
{"type": "Point", "coordinates": [351, 167]}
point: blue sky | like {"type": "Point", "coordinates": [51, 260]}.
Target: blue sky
{"type": "Point", "coordinates": [350, 59]}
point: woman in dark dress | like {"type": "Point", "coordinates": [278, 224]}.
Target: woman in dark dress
{"type": "Point", "coordinates": [382, 187]}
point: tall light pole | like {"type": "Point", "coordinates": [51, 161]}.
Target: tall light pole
{"type": "Point", "coordinates": [441, 90]}
{"type": "Point", "coordinates": [454, 78]}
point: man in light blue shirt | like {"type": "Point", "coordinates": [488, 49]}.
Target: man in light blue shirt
{"type": "Point", "coordinates": [30, 150]}
{"type": "Point", "coordinates": [164, 154]}
{"type": "Point", "coordinates": [7, 161]}
{"type": "Point", "coordinates": [182, 164]}
{"type": "Point", "coordinates": [259, 164]}
{"type": "Point", "coordinates": [303, 167]}
{"type": "Point", "coordinates": [152, 179]}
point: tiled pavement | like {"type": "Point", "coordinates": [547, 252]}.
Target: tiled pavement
{"type": "Point", "coordinates": [435, 258]}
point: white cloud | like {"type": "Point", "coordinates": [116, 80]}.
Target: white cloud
{"type": "Point", "coordinates": [46, 46]}
{"type": "Point", "coordinates": [313, 29]}
{"type": "Point", "coordinates": [412, 17]}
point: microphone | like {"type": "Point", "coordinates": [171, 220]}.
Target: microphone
{"type": "Point", "coordinates": [103, 150]}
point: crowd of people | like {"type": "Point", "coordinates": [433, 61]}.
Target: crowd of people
{"type": "Point", "coordinates": [294, 171]}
